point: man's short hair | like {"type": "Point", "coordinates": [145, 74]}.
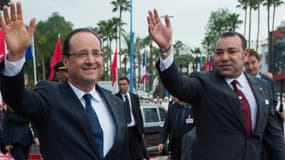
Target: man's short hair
{"type": "Point", "coordinates": [232, 34]}
{"type": "Point", "coordinates": [124, 78]}
{"type": "Point", "coordinates": [66, 45]}
{"type": "Point", "coordinates": [254, 53]}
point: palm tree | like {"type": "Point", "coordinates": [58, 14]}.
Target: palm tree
{"type": "Point", "coordinates": [107, 30]}
{"type": "Point", "coordinates": [276, 3]}
{"type": "Point", "coordinates": [268, 4]}
{"type": "Point", "coordinates": [257, 7]}
{"type": "Point", "coordinates": [251, 5]}
{"type": "Point", "coordinates": [121, 6]}
{"type": "Point", "coordinates": [243, 4]}
{"type": "Point", "coordinates": [234, 22]}
{"type": "Point", "coordinates": [196, 51]}
{"type": "Point", "coordinates": [137, 46]}
{"type": "Point", "coordinates": [178, 46]}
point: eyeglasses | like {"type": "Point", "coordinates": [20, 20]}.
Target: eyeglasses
{"type": "Point", "coordinates": [85, 54]}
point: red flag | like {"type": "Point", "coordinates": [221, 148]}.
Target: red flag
{"type": "Point", "coordinates": [211, 64]}
{"type": "Point", "coordinates": [143, 69]}
{"type": "Point", "coordinates": [114, 68]}
{"type": "Point", "coordinates": [2, 46]}
{"type": "Point", "coordinates": [206, 65]}
{"type": "Point", "coordinates": [55, 57]}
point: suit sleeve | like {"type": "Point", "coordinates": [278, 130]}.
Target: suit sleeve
{"type": "Point", "coordinates": [273, 137]}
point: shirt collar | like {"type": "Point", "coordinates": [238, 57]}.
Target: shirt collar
{"type": "Point", "coordinates": [79, 93]}
{"type": "Point", "coordinates": [241, 80]}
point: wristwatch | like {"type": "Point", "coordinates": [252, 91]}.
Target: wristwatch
{"type": "Point", "coordinates": [164, 52]}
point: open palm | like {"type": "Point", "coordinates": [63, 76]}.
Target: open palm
{"type": "Point", "coordinates": [17, 35]}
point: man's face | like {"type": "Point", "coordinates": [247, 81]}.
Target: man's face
{"type": "Point", "coordinates": [61, 75]}
{"type": "Point", "coordinates": [123, 86]}
{"type": "Point", "coordinates": [252, 65]}
{"type": "Point", "coordinates": [88, 69]}
{"type": "Point", "coordinates": [229, 57]}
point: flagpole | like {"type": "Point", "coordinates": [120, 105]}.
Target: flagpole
{"type": "Point", "coordinates": [131, 46]}
{"type": "Point", "coordinates": [34, 61]}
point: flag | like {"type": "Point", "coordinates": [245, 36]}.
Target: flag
{"type": "Point", "coordinates": [143, 69]}
{"type": "Point", "coordinates": [29, 52]}
{"type": "Point", "coordinates": [198, 69]}
{"type": "Point", "coordinates": [206, 65]}
{"type": "Point", "coordinates": [55, 57]}
{"type": "Point", "coordinates": [114, 68]}
{"type": "Point", "coordinates": [210, 65]}
{"type": "Point", "coordinates": [2, 46]}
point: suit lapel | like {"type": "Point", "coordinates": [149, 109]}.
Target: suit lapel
{"type": "Point", "coordinates": [258, 91]}
{"type": "Point", "coordinates": [232, 100]}
{"type": "Point", "coordinates": [77, 109]}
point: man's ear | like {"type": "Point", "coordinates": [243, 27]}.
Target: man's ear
{"type": "Point", "coordinates": [64, 59]}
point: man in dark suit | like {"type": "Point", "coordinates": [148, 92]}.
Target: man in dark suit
{"type": "Point", "coordinates": [232, 110]}
{"type": "Point", "coordinates": [134, 119]}
{"type": "Point", "coordinates": [252, 66]}
{"type": "Point", "coordinates": [61, 71]}
{"type": "Point", "coordinates": [178, 122]}
{"type": "Point", "coordinates": [18, 136]}
{"type": "Point", "coordinates": [77, 119]}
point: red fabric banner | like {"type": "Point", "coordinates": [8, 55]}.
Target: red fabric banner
{"type": "Point", "coordinates": [55, 57]}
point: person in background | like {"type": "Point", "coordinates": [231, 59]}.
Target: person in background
{"type": "Point", "coordinates": [232, 109]}
{"type": "Point", "coordinates": [77, 119]}
{"type": "Point", "coordinates": [187, 143]}
{"type": "Point", "coordinates": [134, 120]}
{"type": "Point", "coordinates": [252, 66]}
{"type": "Point", "coordinates": [18, 136]}
{"type": "Point", "coordinates": [61, 71]}
{"type": "Point", "coordinates": [178, 122]}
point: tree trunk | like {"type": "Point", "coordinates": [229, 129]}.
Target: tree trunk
{"type": "Point", "coordinates": [249, 27]}
{"type": "Point", "coordinates": [258, 27]}
{"type": "Point", "coordinates": [44, 69]}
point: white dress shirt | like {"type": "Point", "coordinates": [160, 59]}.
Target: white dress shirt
{"type": "Point", "coordinates": [132, 123]}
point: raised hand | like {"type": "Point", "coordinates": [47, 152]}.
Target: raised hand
{"type": "Point", "coordinates": [160, 33]}
{"type": "Point", "coordinates": [17, 35]}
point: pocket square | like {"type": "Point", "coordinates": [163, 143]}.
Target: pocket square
{"type": "Point", "coordinates": [266, 101]}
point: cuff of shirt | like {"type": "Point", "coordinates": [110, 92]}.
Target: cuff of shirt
{"type": "Point", "coordinates": [13, 68]}
{"type": "Point", "coordinates": [165, 63]}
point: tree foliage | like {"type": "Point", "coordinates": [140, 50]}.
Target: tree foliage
{"type": "Point", "coordinates": [220, 21]}
{"type": "Point", "coordinates": [45, 37]}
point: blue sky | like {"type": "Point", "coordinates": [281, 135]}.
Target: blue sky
{"type": "Point", "coordinates": [189, 16]}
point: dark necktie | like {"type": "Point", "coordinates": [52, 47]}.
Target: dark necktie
{"type": "Point", "coordinates": [96, 127]}
{"type": "Point", "coordinates": [129, 118]}
{"type": "Point", "coordinates": [245, 109]}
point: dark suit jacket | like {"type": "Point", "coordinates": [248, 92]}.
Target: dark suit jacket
{"type": "Point", "coordinates": [221, 133]}
{"type": "Point", "coordinates": [273, 89]}
{"type": "Point", "coordinates": [136, 111]}
{"type": "Point", "coordinates": [171, 128]}
{"type": "Point", "coordinates": [16, 129]}
{"type": "Point", "coordinates": [62, 123]}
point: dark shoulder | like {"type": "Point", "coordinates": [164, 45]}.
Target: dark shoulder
{"type": "Point", "coordinates": [266, 78]}
{"type": "Point", "coordinates": [203, 74]}
{"type": "Point", "coordinates": [47, 85]}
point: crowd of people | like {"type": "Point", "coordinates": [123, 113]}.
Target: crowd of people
{"type": "Point", "coordinates": [225, 114]}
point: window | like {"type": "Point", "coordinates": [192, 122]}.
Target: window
{"type": "Point", "coordinates": [150, 115]}
{"type": "Point", "coordinates": [162, 114]}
